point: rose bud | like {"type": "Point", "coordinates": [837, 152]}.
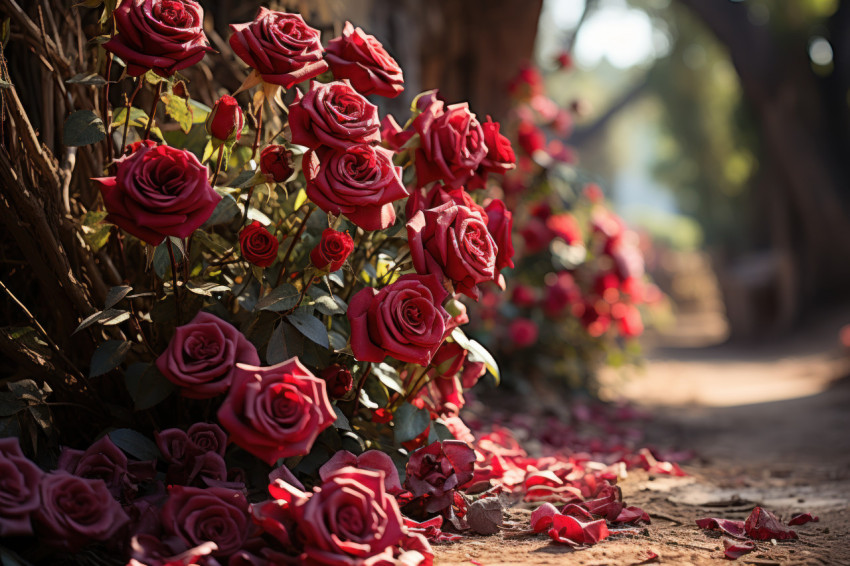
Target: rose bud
{"type": "Point", "coordinates": [332, 251]}
{"type": "Point", "coordinates": [258, 245]}
{"type": "Point", "coordinates": [226, 120]}
{"type": "Point", "coordinates": [276, 163]}
{"type": "Point", "coordinates": [338, 380]}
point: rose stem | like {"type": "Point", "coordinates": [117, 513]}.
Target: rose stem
{"type": "Point", "coordinates": [127, 116]}
{"type": "Point", "coordinates": [259, 130]}
{"type": "Point", "coordinates": [214, 178]}
{"type": "Point", "coordinates": [360, 383]}
{"type": "Point", "coordinates": [247, 205]}
{"type": "Point", "coordinates": [174, 279]}
{"type": "Point", "coordinates": [292, 245]}
{"type": "Point", "coordinates": [110, 150]}
{"type": "Point", "coordinates": [187, 244]}
{"type": "Point", "coordinates": [152, 114]}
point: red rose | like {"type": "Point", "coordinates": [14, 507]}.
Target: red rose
{"type": "Point", "coordinates": [276, 163]}
{"type": "Point", "coordinates": [522, 332]}
{"type": "Point", "coordinates": [338, 380]}
{"type": "Point", "coordinates": [276, 412]}
{"type": "Point", "coordinates": [163, 35]}
{"type": "Point", "coordinates": [500, 223]}
{"type": "Point", "coordinates": [523, 296]}
{"type": "Point", "coordinates": [560, 292]}
{"type": "Point", "coordinates": [134, 147]}
{"type": "Point", "coordinates": [202, 356]}
{"type": "Point", "coordinates": [226, 120]}
{"type": "Point", "coordinates": [351, 518]}
{"type": "Point", "coordinates": [451, 142]}
{"type": "Point", "coordinates": [333, 114]}
{"type": "Point", "coordinates": [564, 226]}
{"type": "Point", "coordinates": [19, 495]}
{"type": "Point", "coordinates": [75, 511]}
{"type": "Point", "coordinates": [359, 181]}
{"type": "Point", "coordinates": [103, 460]}
{"type": "Point", "coordinates": [193, 516]}
{"type": "Point", "coordinates": [207, 437]}
{"type": "Point", "coordinates": [157, 192]}
{"type": "Point", "coordinates": [500, 155]}
{"type": "Point", "coordinates": [628, 319]}
{"type": "Point", "coordinates": [405, 320]}
{"type": "Point", "coordinates": [360, 58]}
{"type": "Point", "coordinates": [423, 199]}
{"type": "Point", "coordinates": [454, 243]}
{"type": "Point", "coordinates": [437, 470]}
{"type": "Point", "coordinates": [258, 245]}
{"type": "Point", "coordinates": [374, 460]}
{"type": "Point", "coordinates": [530, 138]}
{"type": "Point", "coordinates": [392, 136]}
{"type": "Point", "coordinates": [281, 47]}
{"type": "Point", "coordinates": [332, 250]}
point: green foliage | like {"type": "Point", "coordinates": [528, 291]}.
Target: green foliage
{"type": "Point", "coordinates": [83, 127]}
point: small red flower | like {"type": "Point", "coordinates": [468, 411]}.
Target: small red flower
{"type": "Point", "coordinates": [276, 163]}
{"type": "Point", "coordinates": [258, 245]}
{"type": "Point", "coordinates": [332, 251]}
{"type": "Point", "coordinates": [226, 120]}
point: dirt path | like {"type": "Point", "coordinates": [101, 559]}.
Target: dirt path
{"type": "Point", "coordinates": [771, 427]}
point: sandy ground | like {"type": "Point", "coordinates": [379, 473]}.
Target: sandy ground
{"type": "Point", "coordinates": [771, 427]}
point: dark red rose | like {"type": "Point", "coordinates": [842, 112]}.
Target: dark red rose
{"type": "Point", "coordinates": [207, 437]}
{"type": "Point", "coordinates": [332, 250]}
{"type": "Point", "coordinates": [75, 511]}
{"type": "Point", "coordinates": [522, 332]}
{"type": "Point", "coordinates": [500, 223]}
{"type": "Point", "coordinates": [536, 235]}
{"type": "Point", "coordinates": [276, 412]}
{"type": "Point", "coordinates": [374, 460]}
{"type": "Point", "coordinates": [226, 120]}
{"type": "Point", "coordinates": [134, 147]}
{"type": "Point", "coordinates": [338, 380]}
{"type": "Point", "coordinates": [19, 494]}
{"type": "Point", "coordinates": [523, 296]}
{"type": "Point", "coordinates": [258, 245]}
{"type": "Point", "coordinates": [560, 292]}
{"type": "Point", "coordinates": [350, 519]}
{"type": "Point", "coordinates": [454, 243]}
{"type": "Point", "coordinates": [405, 320]}
{"type": "Point", "coordinates": [202, 356]}
{"type": "Point", "coordinates": [102, 460]}
{"type": "Point", "coordinates": [381, 416]}
{"type": "Point", "coordinates": [437, 470]}
{"type": "Point", "coordinates": [335, 115]}
{"type": "Point", "coordinates": [281, 47]}
{"type": "Point", "coordinates": [451, 143]}
{"type": "Point", "coordinates": [360, 58]}
{"type": "Point", "coordinates": [193, 516]}
{"type": "Point", "coordinates": [500, 155]}
{"type": "Point", "coordinates": [359, 181]}
{"type": "Point", "coordinates": [528, 83]}
{"type": "Point", "coordinates": [157, 192]}
{"type": "Point", "coordinates": [392, 136]}
{"type": "Point", "coordinates": [276, 163]}
{"type": "Point", "coordinates": [148, 550]}
{"type": "Point", "coordinates": [530, 138]}
{"type": "Point", "coordinates": [160, 35]}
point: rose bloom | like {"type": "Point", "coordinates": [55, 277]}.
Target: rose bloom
{"type": "Point", "coordinates": [454, 243]}
{"type": "Point", "coordinates": [276, 412]}
{"type": "Point", "coordinates": [451, 142]}
{"type": "Point", "coordinates": [193, 516]}
{"type": "Point", "coordinates": [160, 35]}
{"type": "Point", "coordinates": [157, 192]}
{"type": "Point", "coordinates": [522, 332]}
{"type": "Point", "coordinates": [359, 181]}
{"type": "Point", "coordinates": [102, 460]}
{"type": "Point", "coordinates": [281, 47]}
{"type": "Point", "coordinates": [500, 223]}
{"type": "Point", "coordinates": [437, 470]}
{"type": "Point", "coordinates": [500, 156]}
{"type": "Point", "coordinates": [338, 380]}
{"type": "Point", "coordinates": [202, 356]}
{"type": "Point", "coordinates": [332, 250]}
{"type": "Point", "coordinates": [405, 320]}
{"type": "Point", "coordinates": [258, 245]}
{"type": "Point", "coordinates": [19, 496]}
{"type": "Point", "coordinates": [350, 519]}
{"type": "Point", "coordinates": [335, 115]}
{"type": "Point", "coordinates": [75, 511]}
{"type": "Point", "coordinates": [360, 58]}
{"type": "Point", "coordinates": [194, 454]}
{"type": "Point", "coordinates": [226, 120]}
{"type": "Point", "coordinates": [374, 460]}
{"type": "Point", "coordinates": [276, 163]}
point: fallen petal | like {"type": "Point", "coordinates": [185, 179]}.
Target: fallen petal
{"type": "Point", "coordinates": [737, 548]}
{"type": "Point", "coordinates": [803, 518]}
{"type": "Point", "coordinates": [731, 528]}
{"type": "Point", "coordinates": [763, 525]}
{"type": "Point", "coordinates": [541, 518]}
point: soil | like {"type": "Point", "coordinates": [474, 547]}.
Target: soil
{"type": "Point", "coordinates": [770, 425]}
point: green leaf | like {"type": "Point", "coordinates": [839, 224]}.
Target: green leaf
{"type": "Point", "coordinates": [10, 405]}
{"type": "Point", "coordinates": [478, 353]}
{"type": "Point", "coordinates": [200, 111]}
{"type": "Point", "coordinates": [225, 211]}
{"type": "Point", "coordinates": [28, 390]}
{"type": "Point", "coordinates": [326, 304]}
{"type": "Point", "coordinates": [441, 430]}
{"type": "Point", "coordinates": [310, 326]}
{"type": "Point", "coordinates": [341, 421]}
{"type": "Point", "coordinates": [95, 230]}
{"type": "Point", "coordinates": [147, 387]}
{"type": "Point", "coordinates": [108, 356]}
{"type": "Point", "coordinates": [83, 127]}
{"type": "Point", "coordinates": [115, 294]}
{"type": "Point", "coordinates": [276, 350]}
{"type": "Point", "coordinates": [135, 444]}
{"type": "Point", "coordinates": [388, 375]}
{"type": "Point", "coordinates": [180, 110]}
{"type": "Point", "coordinates": [138, 117]}
{"type": "Point", "coordinates": [9, 558]}
{"type": "Point", "coordinates": [88, 79]}
{"type": "Point", "coordinates": [207, 289]}
{"type": "Point", "coordinates": [409, 422]}
{"type": "Point", "coordinates": [213, 242]}
{"type": "Point", "coordinates": [282, 298]}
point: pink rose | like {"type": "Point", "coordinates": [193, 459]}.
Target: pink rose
{"type": "Point", "coordinates": [157, 192]}
{"type": "Point", "coordinates": [454, 243]}
{"type": "Point", "coordinates": [359, 181]}
{"type": "Point", "coordinates": [335, 115]}
{"type": "Point", "coordinates": [19, 495]}
{"type": "Point", "coordinates": [102, 460]}
{"type": "Point", "coordinates": [276, 412]}
{"type": "Point", "coordinates": [202, 356]}
{"type": "Point", "coordinates": [360, 58]}
{"type": "Point", "coordinates": [434, 472]}
{"type": "Point", "coordinates": [193, 516]}
{"type": "Point", "coordinates": [163, 35]}
{"type": "Point", "coordinates": [370, 460]}
{"type": "Point", "coordinates": [75, 511]}
{"type": "Point", "coordinates": [405, 320]}
{"type": "Point", "coordinates": [281, 47]}
{"type": "Point", "coordinates": [500, 223]}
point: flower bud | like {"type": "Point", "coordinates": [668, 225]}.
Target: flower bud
{"type": "Point", "coordinates": [226, 120]}
{"type": "Point", "coordinates": [332, 251]}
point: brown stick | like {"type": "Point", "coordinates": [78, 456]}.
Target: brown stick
{"type": "Point", "coordinates": [174, 279]}
{"type": "Point", "coordinates": [130, 100]}
{"type": "Point", "coordinates": [152, 113]}
{"type": "Point", "coordinates": [292, 245]}
{"type": "Point", "coordinates": [259, 131]}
